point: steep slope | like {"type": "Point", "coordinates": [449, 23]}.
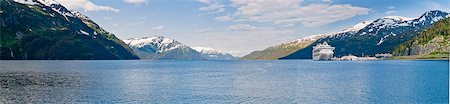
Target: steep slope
{"type": "Point", "coordinates": [380, 36]}
{"type": "Point", "coordinates": [431, 43]}
{"type": "Point", "coordinates": [162, 48]}
{"type": "Point", "coordinates": [212, 54]}
{"type": "Point", "coordinates": [278, 51]}
{"type": "Point", "coordinates": [46, 30]}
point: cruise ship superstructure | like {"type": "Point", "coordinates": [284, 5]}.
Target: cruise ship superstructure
{"type": "Point", "coordinates": [322, 52]}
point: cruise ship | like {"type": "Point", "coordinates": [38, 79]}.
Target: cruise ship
{"type": "Point", "coordinates": [322, 52]}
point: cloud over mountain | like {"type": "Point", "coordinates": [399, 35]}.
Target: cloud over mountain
{"type": "Point", "coordinates": [85, 5]}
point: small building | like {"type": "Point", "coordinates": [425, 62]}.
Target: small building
{"type": "Point", "coordinates": [383, 56]}
{"type": "Point", "coordinates": [353, 58]}
{"type": "Point", "coordinates": [349, 58]}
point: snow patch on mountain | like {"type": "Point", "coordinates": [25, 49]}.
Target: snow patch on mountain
{"type": "Point", "coordinates": [28, 2]}
{"type": "Point", "coordinates": [55, 6]}
{"type": "Point", "coordinates": [162, 48]}
{"type": "Point", "coordinates": [399, 18]}
{"type": "Point", "coordinates": [79, 15]}
{"type": "Point", "coordinates": [306, 39]}
{"type": "Point", "coordinates": [206, 50]}
{"type": "Point", "coordinates": [159, 43]}
{"type": "Point", "coordinates": [84, 32]}
{"type": "Point", "coordinates": [357, 27]}
{"type": "Point", "coordinates": [390, 21]}
{"type": "Point", "coordinates": [213, 54]}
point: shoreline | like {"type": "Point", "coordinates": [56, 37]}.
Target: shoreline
{"type": "Point", "coordinates": [422, 57]}
{"type": "Point", "coordinates": [440, 59]}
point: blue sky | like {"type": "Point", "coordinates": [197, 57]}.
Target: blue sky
{"type": "Point", "coordinates": [241, 26]}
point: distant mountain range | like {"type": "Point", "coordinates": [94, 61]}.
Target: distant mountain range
{"type": "Point", "coordinates": [162, 48]}
{"type": "Point", "coordinates": [213, 54]}
{"type": "Point", "coordinates": [382, 35]}
{"type": "Point", "coordinates": [46, 30]}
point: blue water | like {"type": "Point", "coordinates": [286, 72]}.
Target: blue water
{"type": "Point", "coordinates": [293, 81]}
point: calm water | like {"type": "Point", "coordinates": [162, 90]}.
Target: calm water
{"type": "Point", "coordinates": [298, 81]}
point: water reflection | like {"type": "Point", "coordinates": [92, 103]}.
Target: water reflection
{"type": "Point", "coordinates": [223, 82]}
{"type": "Point", "coordinates": [38, 87]}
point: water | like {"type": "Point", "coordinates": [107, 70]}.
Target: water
{"type": "Point", "coordinates": [300, 81]}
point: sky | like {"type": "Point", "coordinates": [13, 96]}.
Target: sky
{"type": "Point", "coordinates": [241, 26]}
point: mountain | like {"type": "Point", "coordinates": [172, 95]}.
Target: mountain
{"type": "Point", "coordinates": [212, 54]}
{"type": "Point", "coordinates": [431, 43]}
{"type": "Point", "coordinates": [162, 48]}
{"type": "Point", "coordinates": [46, 30]}
{"type": "Point", "coordinates": [278, 51]}
{"type": "Point", "coordinates": [379, 36]}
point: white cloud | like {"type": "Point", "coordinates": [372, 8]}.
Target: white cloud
{"type": "Point", "coordinates": [213, 6]}
{"type": "Point", "coordinates": [290, 12]}
{"type": "Point", "coordinates": [136, 2]}
{"type": "Point", "coordinates": [203, 30]}
{"type": "Point", "coordinates": [158, 27]}
{"type": "Point", "coordinates": [204, 1]}
{"type": "Point", "coordinates": [245, 27]}
{"type": "Point", "coordinates": [391, 12]}
{"type": "Point", "coordinates": [224, 18]}
{"type": "Point", "coordinates": [288, 25]}
{"type": "Point", "coordinates": [85, 5]}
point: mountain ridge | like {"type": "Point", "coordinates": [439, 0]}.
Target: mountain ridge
{"type": "Point", "coordinates": [381, 36]}
{"type": "Point", "coordinates": [376, 32]}
{"type": "Point", "coordinates": [46, 30]}
{"type": "Point", "coordinates": [213, 54]}
{"type": "Point", "coordinates": [163, 48]}
{"type": "Point", "coordinates": [431, 43]}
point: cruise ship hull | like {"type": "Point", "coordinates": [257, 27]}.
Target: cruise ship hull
{"type": "Point", "coordinates": [322, 56]}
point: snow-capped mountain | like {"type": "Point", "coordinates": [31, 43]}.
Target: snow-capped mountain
{"type": "Point", "coordinates": [213, 54]}
{"type": "Point", "coordinates": [157, 43]}
{"type": "Point", "coordinates": [284, 49]}
{"type": "Point", "coordinates": [357, 27]}
{"type": "Point", "coordinates": [162, 48]}
{"type": "Point", "coordinates": [365, 38]}
{"type": "Point", "coordinates": [46, 30]}
{"type": "Point", "coordinates": [433, 43]}
{"type": "Point", "coordinates": [392, 25]}
{"type": "Point", "coordinates": [379, 36]}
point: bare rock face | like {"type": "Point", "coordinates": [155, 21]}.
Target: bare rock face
{"type": "Point", "coordinates": [437, 44]}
